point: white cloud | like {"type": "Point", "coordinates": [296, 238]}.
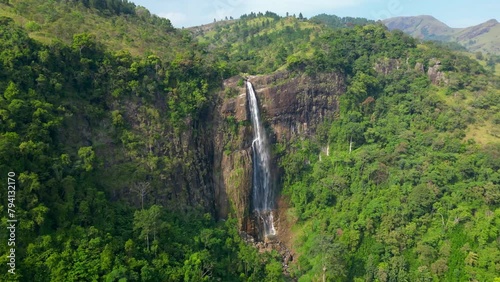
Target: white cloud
{"type": "Point", "coordinates": [177, 18]}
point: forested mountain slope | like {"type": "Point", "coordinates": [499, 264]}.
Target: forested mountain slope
{"type": "Point", "coordinates": [403, 184]}
{"type": "Point", "coordinates": [110, 154]}
{"type": "Point", "coordinates": [387, 149]}
{"type": "Point", "coordinates": [483, 37]}
{"type": "Point", "coordinates": [408, 190]}
{"type": "Point", "coordinates": [340, 22]}
{"type": "Point", "coordinates": [121, 25]}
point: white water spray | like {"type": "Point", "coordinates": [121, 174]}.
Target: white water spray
{"type": "Point", "coordinates": [263, 196]}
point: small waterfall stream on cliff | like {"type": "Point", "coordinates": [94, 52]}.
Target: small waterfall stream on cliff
{"type": "Point", "coordinates": [262, 192]}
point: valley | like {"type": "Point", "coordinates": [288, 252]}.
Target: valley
{"type": "Point", "coordinates": [262, 148]}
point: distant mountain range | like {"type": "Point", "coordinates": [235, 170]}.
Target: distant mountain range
{"type": "Point", "coordinates": [484, 37]}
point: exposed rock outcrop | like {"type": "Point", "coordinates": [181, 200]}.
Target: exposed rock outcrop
{"type": "Point", "coordinates": [386, 66]}
{"type": "Point", "coordinates": [291, 105]}
{"type": "Point", "coordinates": [436, 76]}
{"type": "Point", "coordinates": [419, 67]}
{"type": "Point", "coordinates": [295, 104]}
{"type": "Point", "coordinates": [232, 152]}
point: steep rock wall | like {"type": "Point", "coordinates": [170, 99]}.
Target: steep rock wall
{"type": "Point", "coordinates": [232, 152]}
{"type": "Point", "coordinates": [292, 106]}
{"type": "Point", "coordinates": [437, 77]}
{"type": "Point", "coordinates": [295, 104]}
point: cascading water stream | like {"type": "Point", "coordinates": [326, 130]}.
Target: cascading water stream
{"type": "Point", "coordinates": [263, 198]}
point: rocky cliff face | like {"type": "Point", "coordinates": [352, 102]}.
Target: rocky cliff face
{"type": "Point", "coordinates": [434, 73]}
{"type": "Point", "coordinates": [292, 106]}
{"type": "Point", "coordinates": [436, 76]}
{"type": "Point", "coordinates": [232, 152]}
{"type": "Point", "coordinates": [210, 163]}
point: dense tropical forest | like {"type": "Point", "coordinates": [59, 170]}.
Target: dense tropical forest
{"type": "Point", "coordinates": [88, 172]}
{"type": "Point", "coordinates": [107, 121]}
{"type": "Point", "coordinates": [407, 193]}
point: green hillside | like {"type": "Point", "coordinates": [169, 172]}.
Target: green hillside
{"type": "Point", "coordinates": [110, 122]}
{"type": "Point", "coordinates": [409, 190]}
{"type": "Point", "coordinates": [120, 25]}
{"type": "Point", "coordinates": [484, 37]}
{"type": "Point", "coordinates": [259, 43]}
{"type": "Point", "coordinates": [106, 187]}
{"type": "Point", "coordinates": [340, 22]}
{"type": "Point", "coordinates": [424, 27]}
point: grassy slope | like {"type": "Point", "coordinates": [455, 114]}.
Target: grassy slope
{"type": "Point", "coordinates": [258, 41]}
{"type": "Point", "coordinates": [486, 41]}
{"type": "Point", "coordinates": [50, 20]}
{"type": "Point", "coordinates": [484, 130]}
{"type": "Point", "coordinates": [425, 27]}
{"type": "Point", "coordinates": [420, 25]}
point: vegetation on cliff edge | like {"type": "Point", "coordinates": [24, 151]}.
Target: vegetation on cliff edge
{"type": "Point", "coordinates": [105, 117]}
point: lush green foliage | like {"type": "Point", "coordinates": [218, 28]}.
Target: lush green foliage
{"type": "Point", "coordinates": [405, 194]}
{"type": "Point", "coordinates": [110, 149]}
{"type": "Point", "coordinates": [340, 22]}
{"type": "Point", "coordinates": [410, 189]}
{"type": "Point", "coordinates": [259, 43]}
{"type": "Point", "coordinates": [93, 137]}
{"type": "Point", "coordinates": [117, 23]}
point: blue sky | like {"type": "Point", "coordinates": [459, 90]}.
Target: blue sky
{"type": "Point", "coordinates": [458, 13]}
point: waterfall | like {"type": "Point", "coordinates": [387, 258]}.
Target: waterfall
{"type": "Point", "coordinates": [262, 192]}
